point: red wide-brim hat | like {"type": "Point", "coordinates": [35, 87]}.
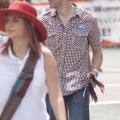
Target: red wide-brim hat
{"type": "Point", "coordinates": [27, 11]}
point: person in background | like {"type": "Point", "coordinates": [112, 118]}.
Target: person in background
{"type": "Point", "coordinates": [11, 1]}
{"type": "Point", "coordinates": [71, 32]}
{"type": "Point", "coordinates": [4, 3]}
{"type": "Point", "coordinates": [27, 34]}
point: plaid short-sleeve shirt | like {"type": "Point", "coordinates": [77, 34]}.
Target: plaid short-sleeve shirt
{"type": "Point", "coordinates": [70, 46]}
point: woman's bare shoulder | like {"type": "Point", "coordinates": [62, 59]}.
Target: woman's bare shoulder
{"type": "Point", "coordinates": [46, 51]}
{"type": "Point", "coordinates": [48, 56]}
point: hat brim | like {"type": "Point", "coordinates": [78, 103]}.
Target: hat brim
{"type": "Point", "coordinates": [39, 27]}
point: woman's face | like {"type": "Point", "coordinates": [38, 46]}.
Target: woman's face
{"type": "Point", "coordinates": [15, 26]}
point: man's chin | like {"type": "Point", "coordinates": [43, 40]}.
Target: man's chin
{"type": "Point", "coordinates": [51, 6]}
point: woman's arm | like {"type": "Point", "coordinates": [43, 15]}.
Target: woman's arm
{"type": "Point", "coordinates": [54, 92]}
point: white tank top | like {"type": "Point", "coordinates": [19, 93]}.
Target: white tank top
{"type": "Point", "coordinates": [33, 105]}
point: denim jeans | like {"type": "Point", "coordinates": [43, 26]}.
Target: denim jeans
{"type": "Point", "coordinates": [76, 105]}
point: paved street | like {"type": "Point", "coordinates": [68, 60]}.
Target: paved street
{"type": "Point", "coordinates": [108, 107]}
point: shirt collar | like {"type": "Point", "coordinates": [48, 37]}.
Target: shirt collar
{"type": "Point", "coordinates": [78, 12]}
{"type": "Point", "coordinates": [12, 55]}
{"type": "Point", "coordinates": [54, 13]}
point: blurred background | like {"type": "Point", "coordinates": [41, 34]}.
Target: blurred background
{"type": "Point", "coordinates": [108, 14]}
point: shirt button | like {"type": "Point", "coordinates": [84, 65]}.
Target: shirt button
{"type": "Point", "coordinates": [64, 46]}
{"type": "Point", "coordinates": [62, 56]}
{"type": "Point", "coordinates": [60, 69]}
{"type": "Point", "coordinates": [65, 33]}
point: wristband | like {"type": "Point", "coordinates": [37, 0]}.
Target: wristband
{"type": "Point", "coordinates": [97, 71]}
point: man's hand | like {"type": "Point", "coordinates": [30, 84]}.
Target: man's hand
{"type": "Point", "coordinates": [95, 73]}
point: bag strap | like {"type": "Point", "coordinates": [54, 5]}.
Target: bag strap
{"type": "Point", "coordinates": [20, 87]}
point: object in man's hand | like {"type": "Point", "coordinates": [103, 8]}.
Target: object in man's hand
{"type": "Point", "coordinates": [91, 89]}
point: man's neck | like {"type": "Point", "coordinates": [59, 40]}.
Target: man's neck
{"type": "Point", "coordinates": [65, 12]}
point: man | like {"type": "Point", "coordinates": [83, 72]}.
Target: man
{"type": "Point", "coordinates": [71, 31]}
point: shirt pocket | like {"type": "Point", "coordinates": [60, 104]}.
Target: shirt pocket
{"type": "Point", "coordinates": [79, 39]}
{"type": "Point", "coordinates": [53, 40]}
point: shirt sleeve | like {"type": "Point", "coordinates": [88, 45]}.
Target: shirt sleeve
{"type": "Point", "coordinates": [94, 34]}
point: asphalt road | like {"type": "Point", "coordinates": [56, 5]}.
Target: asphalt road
{"type": "Point", "coordinates": [108, 106]}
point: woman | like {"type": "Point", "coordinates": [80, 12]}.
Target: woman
{"type": "Point", "coordinates": [26, 34]}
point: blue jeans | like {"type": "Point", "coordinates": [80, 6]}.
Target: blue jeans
{"type": "Point", "coordinates": [77, 106]}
